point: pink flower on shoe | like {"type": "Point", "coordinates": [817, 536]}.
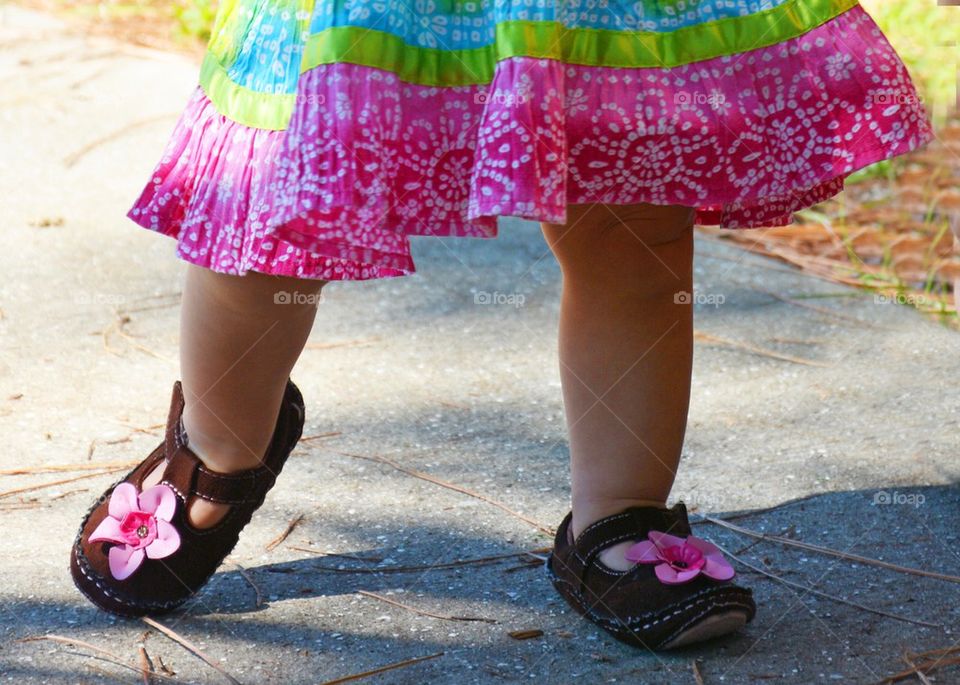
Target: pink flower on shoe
{"type": "Point", "coordinates": [680, 560]}
{"type": "Point", "coordinates": [139, 524]}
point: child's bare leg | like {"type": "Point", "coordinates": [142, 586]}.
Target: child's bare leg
{"type": "Point", "coordinates": [626, 352]}
{"type": "Point", "coordinates": [237, 348]}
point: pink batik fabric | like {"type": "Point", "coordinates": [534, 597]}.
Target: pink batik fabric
{"type": "Point", "coordinates": [368, 160]}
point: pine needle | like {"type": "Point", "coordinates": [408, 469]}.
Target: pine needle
{"type": "Point", "coordinates": [189, 646]}
{"type": "Point", "coordinates": [286, 533]}
{"type": "Point", "coordinates": [421, 612]}
{"type": "Point", "coordinates": [423, 567]}
{"type": "Point", "coordinates": [57, 468]}
{"type": "Point", "coordinates": [30, 488]}
{"type": "Point", "coordinates": [832, 552]}
{"type": "Point", "coordinates": [445, 484]}
{"type": "Point", "coordinates": [747, 347]}
{"type": "Point", "coordinates": [382, 669]}
{"type": "Point", "coordinates": [103, 653]}
{"type": "Point", "coordinates": [827, 595]}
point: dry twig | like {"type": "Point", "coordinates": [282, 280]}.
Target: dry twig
{"type": "Point", "coordinates": [763, 352]}
{"type": "Point", "coordinates": [425, 613]}
{"type": "Point", "coordinates": [423, 567]}
{"type": "Point", "coordinates": [189, 646]}
{"type": "Point", "coordinates": [697, 676]}
{"type": "Point", "coordinates": [146, 668]}
{"type": "Point", "coordinates": [382, 669]}
{"type": "Point", "coordinates": [321, 436]}
{"type": "Point", "coordinates": [920, 675]}
{"type": "Point", "coordinates": [286, 533]}
{"type": "Point", "coordinates": [445, 484]}
{"type": "Point", "coordinates": [927, 667]}
{"type": "Point", "coordinates": [814, 308]}
{"type": "Point", "coordinates": [246, 576]}
{"type": "Point", "coordinates": [345, 343]}
{"type": "Point", "coordinates": [103, 653]}
{"type": "Point", "coordinates": [525, 634]}
{"type": "Point", "coordinates": [29, 488]}
{"type": "Point", "coordinates": [77, 155]}
{"type": "Point", "coordinates": [827, 595]}
{"type": "Point", "coordinates": [56, 468]}
{"type": "Point", "coordinates": [832, 552]}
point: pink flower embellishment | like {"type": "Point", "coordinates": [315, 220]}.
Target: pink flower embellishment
{"type": "Point", "coordinates": [139, 524]}
{"type": "Point", "coordinates": [680, 560]}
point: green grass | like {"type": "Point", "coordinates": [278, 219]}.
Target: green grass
{"type": "Point", "coordinates": [927, 37]}
{"type": "Point", "coordinates": [193, 19]}
{"type": "Point", "coordinates": [183, 21]}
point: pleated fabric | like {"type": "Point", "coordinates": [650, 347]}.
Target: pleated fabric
{"type": "Point", "coordinates": [321, 136]}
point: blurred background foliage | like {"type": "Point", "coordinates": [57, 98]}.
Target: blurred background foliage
{"type": "Point", "coordinates": [927, 36]}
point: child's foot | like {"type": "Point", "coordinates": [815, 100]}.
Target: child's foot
{"type": "Point", "coordinates": [138, 551]}
{"type": "Point", "coordinates": [676, 591]}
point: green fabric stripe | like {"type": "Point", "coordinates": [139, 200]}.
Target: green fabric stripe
{"type": "Point", "coordinates": [243, 105]}
{"type": "Point", "coordinates": [540, 39]}
{"type": "Point", "coordinates": [586, 46]}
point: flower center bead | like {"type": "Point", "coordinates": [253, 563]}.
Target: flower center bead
{"type": "Point", "coordinates": [142, 531]}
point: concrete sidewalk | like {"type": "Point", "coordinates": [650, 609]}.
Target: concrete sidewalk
{"type": "Point", "coordinates": [415, 370]}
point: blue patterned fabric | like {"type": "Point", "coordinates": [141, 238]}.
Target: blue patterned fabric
{"type": "Point", "coordinates": [431, 23]}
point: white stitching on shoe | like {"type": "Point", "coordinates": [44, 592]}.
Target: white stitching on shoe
{"type": "Point", "coordinates": [82, 565]}
{"type": "Point", "coordinates": [703, 613]}
{"type": "Point", "coordinates": [632, 620]}
{"type": "Point", "coordinates": [583, 602]}
{"type": "Point", "coordinates": [173, 487]}
{"type": "Point", "coordinates": [599, 523]}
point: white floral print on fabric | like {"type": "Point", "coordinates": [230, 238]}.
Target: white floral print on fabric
{"type": "Point", "coordinates": [368, 160]}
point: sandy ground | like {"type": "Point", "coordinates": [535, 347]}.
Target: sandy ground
{"type": "Point", "coordinates": [415, 370]}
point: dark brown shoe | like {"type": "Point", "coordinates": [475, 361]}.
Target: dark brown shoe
{"type": "Point", "coordinates": [679, 592]}
{"type": "Point", "coordinates": [137, 553]}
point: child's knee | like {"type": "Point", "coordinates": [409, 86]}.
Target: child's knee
{"type": "Point", "coordinates": [604, 239]}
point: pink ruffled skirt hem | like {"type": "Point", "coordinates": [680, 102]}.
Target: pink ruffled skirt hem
{"type": "Point", "coordinates": [368, 160]}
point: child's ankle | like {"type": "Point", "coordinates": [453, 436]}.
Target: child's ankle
{"type": "Point", "coordinates": [220, 456]}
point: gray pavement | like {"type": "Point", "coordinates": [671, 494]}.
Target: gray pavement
{"type": "Point", "coordinates": [414, 370]}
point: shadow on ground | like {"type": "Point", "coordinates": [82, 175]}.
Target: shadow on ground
{"type": "Point", "coordinates": [329, 630]}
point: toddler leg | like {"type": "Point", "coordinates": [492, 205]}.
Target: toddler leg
{"type": "Point", "coordinates": [238, 345]}
{"type": "Point", "coordinates": [626, 352]}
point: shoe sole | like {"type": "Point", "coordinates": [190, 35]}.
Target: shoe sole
{"type": "Point", "coordinates": [710, 625]}
{"type": "Point", "coordinates": [715, 625]}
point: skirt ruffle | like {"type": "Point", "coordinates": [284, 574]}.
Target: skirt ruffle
{"type": "Point", "coordinates": [368, 160]}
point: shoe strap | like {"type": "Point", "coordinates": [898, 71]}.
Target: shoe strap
{"type": "Point", "coordinates": [187, 475]}
{"type": "Point", "coordinates": [630, 524]}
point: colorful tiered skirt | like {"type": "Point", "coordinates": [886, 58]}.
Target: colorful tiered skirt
{"type": "Point", "coordinates": [323, 134]}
